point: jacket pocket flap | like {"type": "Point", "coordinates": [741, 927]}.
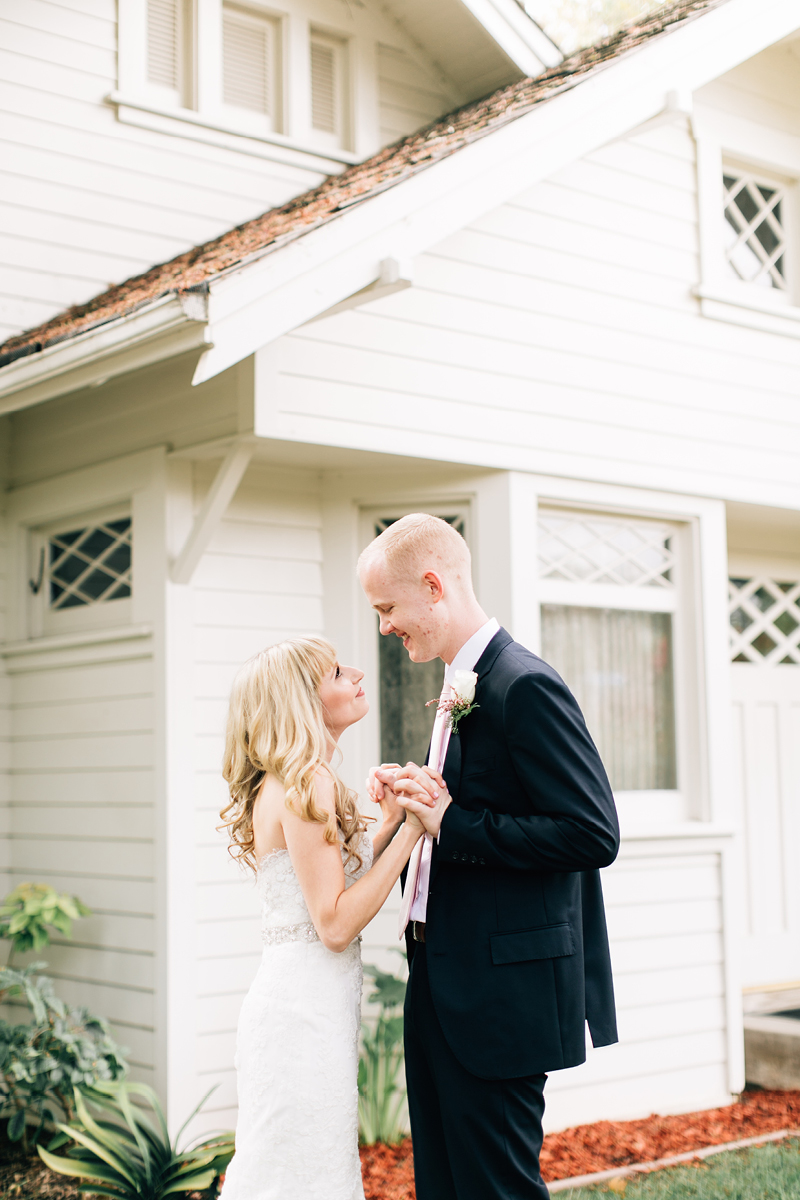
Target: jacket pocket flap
{"type": "Point", "coordinates": [549, 941]}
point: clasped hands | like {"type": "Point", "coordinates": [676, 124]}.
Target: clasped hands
{"type": "Point", "coordinates": [421, 791]}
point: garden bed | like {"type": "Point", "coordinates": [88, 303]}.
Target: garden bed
{"type": "Point", "coordinates": [389, 1174]}
{"type": "Point", "coordinates": [389, 1170]}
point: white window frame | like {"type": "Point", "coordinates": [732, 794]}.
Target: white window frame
{"type": "Point", "coordinates": [43, 620]}
{"type": "Point", "coordinates": [125, 486]}
{"type": "Point", "coordinates": [203, 115]}
{"type": "Point", "coordinates": [726, 142]}
{"type": "Point", "coordinates": [663, 804]}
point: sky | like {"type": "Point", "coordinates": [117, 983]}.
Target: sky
{"type": "Point", "coordinates": [573, 24]}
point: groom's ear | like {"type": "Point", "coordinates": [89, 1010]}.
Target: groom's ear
{"type": "Point", "coordinates": [434, 584]}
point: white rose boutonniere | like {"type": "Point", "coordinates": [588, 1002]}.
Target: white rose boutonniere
{"type": "Point", "coordinates": [461, 703]}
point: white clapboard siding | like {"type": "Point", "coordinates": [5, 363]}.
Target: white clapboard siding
{"type": "Point", "coordinates": [665, 926]}
{"type": "Point", "coordinates": [762, 89]}
{"type": "Point", "coordinates": [569, 330]}
{"type": "Point", "coordinates": [154, 406]}
{"type": "Point", "coordinates": [259, 580]}
{"type": "Point", "coordinates": [81, 819]}
{"type": "Point", "coordinates": [407, 95]}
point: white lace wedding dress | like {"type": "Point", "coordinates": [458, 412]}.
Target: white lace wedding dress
{"type": "Point", "coordinates": [297, 1054]}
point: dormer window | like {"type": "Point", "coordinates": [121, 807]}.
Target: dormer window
{"type": "Point", "coordinates": [224, 70]}
{"type": "Point", "coordinates": [755, 231]}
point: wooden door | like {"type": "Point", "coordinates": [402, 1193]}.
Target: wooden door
{"type": "Point", "coordinates": [765, 619]}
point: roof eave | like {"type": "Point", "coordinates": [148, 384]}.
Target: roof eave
{"type": "Point", "coordinates": [172, 324]}
{"type": "Point", "coordinates": [518, 36]}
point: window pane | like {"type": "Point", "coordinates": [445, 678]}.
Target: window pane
{"type": "Point", "coordinates": [754, 230]}
{"type": "Point", "coordinates": [618, 664]}
{"type": "Point", "coordinates": [405, 689]}
{"type": "Point", "coordinates": [595, 548]}
{"type": "Point", "coordinates": [90, 565]}
{"type": "Point", "coordinates": [765, 620]}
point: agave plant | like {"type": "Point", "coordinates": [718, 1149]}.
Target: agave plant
{"type": "Point", "coordinates": [127, 1153]}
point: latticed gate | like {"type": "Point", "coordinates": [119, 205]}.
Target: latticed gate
{"type": "Point", "coordinates": [765, 653]}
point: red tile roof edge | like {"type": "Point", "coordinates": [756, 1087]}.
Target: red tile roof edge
{"type": "Point", "coordinates": [193, 269]}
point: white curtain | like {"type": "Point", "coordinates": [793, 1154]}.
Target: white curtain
{"type": "Point", "coordinates": [618, 664]}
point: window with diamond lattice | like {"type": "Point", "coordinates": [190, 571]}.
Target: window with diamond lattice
{"type": "Point", "coordinates": [755, 229]}
{"type": "Point", "coordinates": [608, 596]}
{"type": "Point", "coordinates": [584, 548]}
{"type": "Point", "coordinates": [89, 565]}
{"type": "Point", "coordinates": [765, 621]}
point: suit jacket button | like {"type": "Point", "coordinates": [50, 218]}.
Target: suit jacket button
{"type": "Point", "coordinates": [473, 859]}
{"type": "Point", "coordinates": [482, 861]}
{"type": "Point", "coordinates": [455, 855]}
{"type": "Point", "coordinates": [464, 858]}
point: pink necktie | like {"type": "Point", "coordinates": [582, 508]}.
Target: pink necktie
{"type": "Point", "coordinates": [435, 759]}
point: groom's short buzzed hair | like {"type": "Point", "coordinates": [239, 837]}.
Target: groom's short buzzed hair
{"type": "Point", "coordinates": [420, 542]}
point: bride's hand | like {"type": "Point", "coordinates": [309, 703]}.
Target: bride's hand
{"type": "Point", "coordinates": [413, 821]}
{"type": "Point", "coordinates": [380, 781]}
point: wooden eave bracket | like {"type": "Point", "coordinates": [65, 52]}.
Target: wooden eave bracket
{"type": "Point", "coordinates": [394, 276]}
{"type": "Point", "coordinates": [213, 508]}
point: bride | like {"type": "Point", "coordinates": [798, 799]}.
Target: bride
{"type": "Point", "coordinates": [321, 879]}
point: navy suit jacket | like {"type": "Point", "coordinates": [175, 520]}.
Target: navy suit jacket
{"type": "Point", "coordinates": [516, 938]}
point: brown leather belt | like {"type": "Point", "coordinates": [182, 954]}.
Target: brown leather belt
{"type": "Point", "coordinates": [418, 931]}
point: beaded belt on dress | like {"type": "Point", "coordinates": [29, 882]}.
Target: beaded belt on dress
{"type": "Point", "coordinates": [304, 932]}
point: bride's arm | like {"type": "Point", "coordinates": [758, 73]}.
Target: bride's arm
{"type": "Point", "coordinates": [392, 813]}
{"type": "Point", "coordinates": [339, 914]}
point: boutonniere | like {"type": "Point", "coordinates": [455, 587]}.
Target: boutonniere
{"type": "Point", "coordinates": [462, 701]}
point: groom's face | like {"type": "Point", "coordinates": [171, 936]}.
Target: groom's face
{"type": "Point", "coordinates": [409, 608]}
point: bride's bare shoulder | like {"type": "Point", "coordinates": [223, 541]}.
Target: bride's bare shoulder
{"type": "Point", "coordinates": [268, 808]}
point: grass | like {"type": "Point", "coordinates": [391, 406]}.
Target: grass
{"type": "Point", "coordinates": [770, 1172]}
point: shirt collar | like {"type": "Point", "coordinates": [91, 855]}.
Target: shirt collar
{"type": "Point", "coordinates": [472, 649]}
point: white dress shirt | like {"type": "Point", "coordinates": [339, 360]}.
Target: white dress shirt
{"type": "Point", "coordinates": [465, 660]}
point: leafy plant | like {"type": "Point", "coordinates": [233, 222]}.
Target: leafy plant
{"type": "Point", "coordinates": [42, 1062]}
{"type": "Point", "coordinates": [381, 1095]}
{"type": "Point", "coordinates": [126, 1153]}
{"type": "Point", "coordinates": [27, 912]}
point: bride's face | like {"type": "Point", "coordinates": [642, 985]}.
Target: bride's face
{"type": "Point", "coordinates": [343, 698]}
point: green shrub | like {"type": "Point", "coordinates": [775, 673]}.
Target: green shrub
{"type": "Point", "coordinates": [126, 1152]}
{"type": "Point", "coordinates": [42, 1062]}
{"type": "Point", "coordinates": [27, 912]}
{"type": "Point", "coordinates": [381, 1092]}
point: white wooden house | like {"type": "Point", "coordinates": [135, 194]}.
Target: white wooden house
{"type": "Point", "coordinates": [565, 317]}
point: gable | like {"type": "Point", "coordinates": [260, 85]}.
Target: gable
{"type": "Point", "coordinates": [298, 261]}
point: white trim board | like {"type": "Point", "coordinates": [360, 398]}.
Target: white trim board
{"type": "Point", "coordinates": [252, 305]}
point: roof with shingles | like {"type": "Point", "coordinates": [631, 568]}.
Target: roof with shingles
{"type": "Point", "coordinates": [192, 270]}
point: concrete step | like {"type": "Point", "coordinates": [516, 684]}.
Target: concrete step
{"type": "Point", "coordinates": [772, 1049]}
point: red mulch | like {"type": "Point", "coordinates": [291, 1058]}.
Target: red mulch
{"type": "Point", "coordinates": [389, 1173]}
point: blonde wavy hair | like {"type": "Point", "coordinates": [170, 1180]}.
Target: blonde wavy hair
{"type": "Point", "coordinates": [276, 726]}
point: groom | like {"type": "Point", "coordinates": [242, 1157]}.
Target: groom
{"type": "Point", "coordinates": [502, 908]}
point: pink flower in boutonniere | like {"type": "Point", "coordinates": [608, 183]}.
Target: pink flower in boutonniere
{"type": "Point", "coordinates": [461, 703]}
